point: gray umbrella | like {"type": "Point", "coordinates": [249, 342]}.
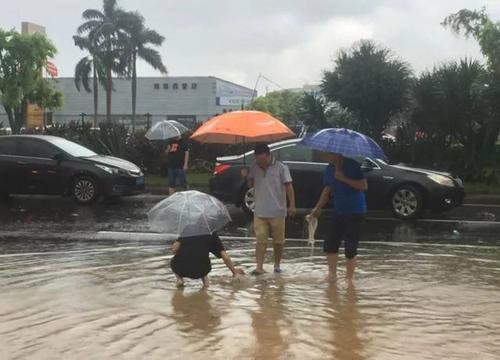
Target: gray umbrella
{"type": "Point", "coordinates": [166, 129]}
{"type": "Point", "coordinates": [188, 213]}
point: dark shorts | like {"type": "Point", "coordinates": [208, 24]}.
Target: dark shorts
{"type": "Point", "coordinates": [347, 228]}
{"type": "Point", "coordinates": [177, 177]}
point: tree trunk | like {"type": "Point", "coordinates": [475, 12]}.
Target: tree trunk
{"type": "Point", "coordinates": [134, 90]}
{"type": "Point", "coordinates": [109, 89]}
{"type": "Point", "coordinates": [96, 95]}
{"type": "Point", "coordinates": [11, 117]}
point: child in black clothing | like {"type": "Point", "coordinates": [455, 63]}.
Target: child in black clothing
{"type": "Point", "coordinates": [192, 259]}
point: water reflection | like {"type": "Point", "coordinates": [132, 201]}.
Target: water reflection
{"type": "Point", "coordinates": [345, 323]}
{"type": "Point", "coordinates": [194, 313]}
{"type": "Point", "coordinates": [269, 322]}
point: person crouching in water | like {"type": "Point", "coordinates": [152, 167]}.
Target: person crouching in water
{"type": "Point", "coordinates": [192, 257]}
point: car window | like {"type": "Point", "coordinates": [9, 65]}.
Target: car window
{"type": "Point", "coordinates": [72, 148]}
{"type": "Point", "coordinates": [37, 149]}
{"type": "Point", "coordinates": [9, 146]}
{"type": "Point", "coordinates": [294, 153]}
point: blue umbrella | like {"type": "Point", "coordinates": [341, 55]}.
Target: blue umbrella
{"type": "Point", "coordinates": [344, 141]}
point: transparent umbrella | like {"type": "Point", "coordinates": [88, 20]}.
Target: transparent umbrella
{"type": "Point", "coordinates": [166, 129]}
{"type": "Point", "coordinates": [188, 213]}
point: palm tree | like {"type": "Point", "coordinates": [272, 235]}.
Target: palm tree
{"type": "Point", "coordinates": [89, 64]}
{"type": "Point", "coordinates": [106, 30]}
{"type": "Point", "coordinates": [138, 43]}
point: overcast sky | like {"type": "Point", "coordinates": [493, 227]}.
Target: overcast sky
{"type": "Point", "coordinates": [289, 41]}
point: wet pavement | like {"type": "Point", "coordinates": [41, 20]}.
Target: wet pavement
{"type": "Point", "coordinates": [94, 283]}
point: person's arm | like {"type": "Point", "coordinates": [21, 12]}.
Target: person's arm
{"type": "Point", "coordinates": [247, 176]}
{"type": "Point", "coordinates": [186, 160]}
{"type": "Point", "coordinates": [323, 200]}
{"type": "Point", "coordinates": [229, 263]}
{"type": "Point", "coordinates": [359, 185]}
{"type": "Point", "coordinates": [176, 246]}
{"type": "Point", "coordinates": [290, 192]}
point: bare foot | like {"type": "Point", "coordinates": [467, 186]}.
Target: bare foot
{"type": "Point", "coordinates": [180, 283]}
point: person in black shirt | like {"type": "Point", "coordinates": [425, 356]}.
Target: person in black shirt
{"type": "Point", "coordinates": [192, 259]}
{"type": "Point", "coordinates": [178, 160]}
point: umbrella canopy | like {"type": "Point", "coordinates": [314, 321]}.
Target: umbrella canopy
{"type": "Point", "coordinates": [242, 127]}
{"type": "Point", "coordinates": [166, 129]}
{"type": "Point", "coordinates": [188, 213]}
{"type": "Point", "coordinates": [344, 141]}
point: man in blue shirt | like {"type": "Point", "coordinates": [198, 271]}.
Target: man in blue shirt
{"type": "Point", "coordinates": [345, 186]}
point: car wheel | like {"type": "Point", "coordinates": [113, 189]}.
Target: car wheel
{"type": "Point", "coordinates": [407, 202]}
{"type": "Point", "coordinates": [85, 190]}
{"type": "Point", "coordinates": [248, 201]}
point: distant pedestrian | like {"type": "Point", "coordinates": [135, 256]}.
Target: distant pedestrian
{"type": "Point", "coordinates": [272, 182]}
{"type": "Point", "coordinates": [177, 164]}
{"type": "Point", "coordinates": [192, 259]}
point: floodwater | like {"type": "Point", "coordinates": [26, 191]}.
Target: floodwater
{"type": "Point", "coordinates": [421, 292]}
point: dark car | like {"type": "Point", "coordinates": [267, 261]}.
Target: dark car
{"type": "Point", "coordinates": [406, 191]}
{"type": "Point", "coordinates": [51, 165]}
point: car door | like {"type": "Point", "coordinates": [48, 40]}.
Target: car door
{"type": "Point", "coordinates": [10, 176]}
{"type": "Point", "coordinates": [40, 170]}
{"type": "Point", "coordinates": [307, 174]}
{"type": "Point", "coordinates": [380, 180]}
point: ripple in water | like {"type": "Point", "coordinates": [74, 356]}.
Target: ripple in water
{"type": "Point", "coordinates": [96, 301]}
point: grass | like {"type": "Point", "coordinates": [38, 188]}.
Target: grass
{"type": "Point", "coordinates": [195, 180]}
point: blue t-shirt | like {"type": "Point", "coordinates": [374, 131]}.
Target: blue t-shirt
{"type": "Point", "coordinates": [345, 199]}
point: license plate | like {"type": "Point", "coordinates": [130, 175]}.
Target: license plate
{"type": "Point", "coordinates": [140, 180]}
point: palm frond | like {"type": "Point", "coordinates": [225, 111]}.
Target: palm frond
{"type": "Point", "coordinates": [92, 14]}
{"type": "Point", "coordinates": [83, 70]}
{"type": "Point", "coordinates": [153, 58]}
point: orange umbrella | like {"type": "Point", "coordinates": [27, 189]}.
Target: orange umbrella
{"type": "Point", "coordinates": [242, 127]}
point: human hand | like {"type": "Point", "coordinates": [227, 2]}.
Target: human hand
{"type": "Point", "coordinates": [316, 212]}
{"type": "Point", "coordinates": [292, 211]}
{"type": "Point", "coordinates": [339, 175]}
{"type": "Point", "coordinates": [238, 272]}
{"type": "Point", "coordinates": [244, 172]}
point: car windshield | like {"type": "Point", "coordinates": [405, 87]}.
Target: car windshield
{"type": "Point", "coordinates": [72, 148]}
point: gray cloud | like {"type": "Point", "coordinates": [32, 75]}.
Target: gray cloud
{"type": "Point", "coordinates": [290, 41]}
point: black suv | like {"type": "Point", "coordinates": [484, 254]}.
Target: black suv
{"type": "Point", "coordinates": [406, 191]}
{"type": "Point", "coordinates": [55, 166]}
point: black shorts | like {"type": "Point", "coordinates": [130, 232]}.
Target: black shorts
{"type": "Point", "coordinates": [347, 228]}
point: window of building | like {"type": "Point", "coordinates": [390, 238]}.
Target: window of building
{"type": "Point", "coordinates": [157, 86]}
{"type": "Point", "coordinates": [165, 86]}
{"type": "Point", "coordinates": [194, 86]}
{"type": "Point", "coordinates": [175, 86]}
{"type": "Point", "coordinates": [184, 86]}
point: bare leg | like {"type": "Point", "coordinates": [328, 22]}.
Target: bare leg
{"type": "Point", "coordinates": [205, 281]}
{"type": "Point", "coordinates": [350, 267]}
{"type": "Point", "coordinates": [278, 255]}
{"type": "Point", "coordinates": [260, 253]}
{"type": "Point", "coordinates": [332, 259]}
{"type": "Point", "coordinates": [180, 281]}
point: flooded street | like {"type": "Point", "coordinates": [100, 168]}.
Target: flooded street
{"type": "Point", "coordinates": [423, 290]}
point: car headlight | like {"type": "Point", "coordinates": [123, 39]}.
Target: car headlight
{"type": "Point", "coordinates": [108, 169]}
{"type": "Point", "coordinates": [441, 180]}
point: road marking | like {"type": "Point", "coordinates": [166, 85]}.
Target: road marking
{"type": "Point", "coordinates": [449, 221]}
{"type": "Point", "coordinates": [482, 205]}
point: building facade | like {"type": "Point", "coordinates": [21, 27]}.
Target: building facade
{"type": "Point", "coordinates": [189, 99]}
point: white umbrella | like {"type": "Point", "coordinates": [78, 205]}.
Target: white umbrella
{"type": "Point", "coordinates": [166, 129]}
{"type": "Point", "coordinates": [188, 213]}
